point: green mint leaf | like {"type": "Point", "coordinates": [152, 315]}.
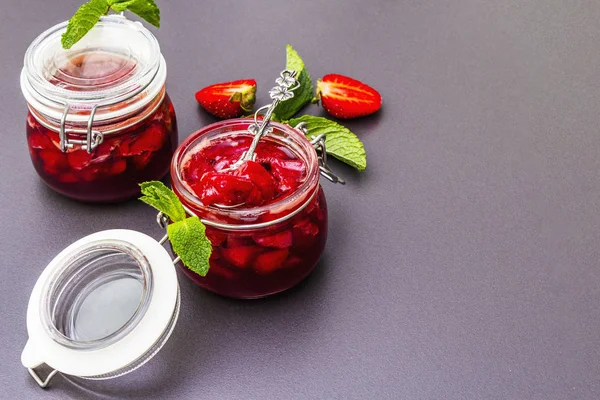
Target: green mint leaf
{"type": "Point", "coordinates": [157, 195]}
{"type": "Point", "coordinates": [190, 243]}
{"type": "Point", "coordinates": [339, 141]}
{"type": "Point", "coordinates": [146, 9]}
{"type": "Point", "coordinates": [82, 21]}
{"type": "Point", "coordinates": [303, 94]}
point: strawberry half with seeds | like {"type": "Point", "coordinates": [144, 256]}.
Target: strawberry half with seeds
{"type": "Point", "coordinates": [228, 99]}
{"type": "Point", "coordinates": [345, 98]}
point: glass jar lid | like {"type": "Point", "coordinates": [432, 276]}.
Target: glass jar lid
{"type": "Point", "coordinates": [103, 307]}
{"type": "Point", "coordinates": [118, 61]}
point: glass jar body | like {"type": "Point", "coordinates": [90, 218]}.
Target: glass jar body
{"type": "Point", "coordinates": [265, 250]}
{"type": "Point", "coordinates": [113, 170]}
{"type": "Point", "coordinates": [260, 262]}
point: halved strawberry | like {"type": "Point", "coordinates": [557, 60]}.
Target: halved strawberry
{"type": "Point", "coordinates": [345, 98]}
{"type": "Point", "coordinates": [228, 99]}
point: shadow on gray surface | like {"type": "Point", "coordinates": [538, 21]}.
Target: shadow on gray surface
{"type": "Point", "coordinates": [217, 330]}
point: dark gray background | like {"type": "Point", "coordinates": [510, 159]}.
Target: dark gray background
{"type": "Point", "coordinates": [463, 264]}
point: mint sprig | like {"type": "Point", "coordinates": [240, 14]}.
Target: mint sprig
{"type": "Point", "coordinates": [157, 195]}
{"type": "Point", "coordinates": [88, 15]}
{"type": "Point", "coordinates": [186, 234]}
{"type": "Point", "coordinates": [339, 141]}
{"type": "Point", "coordinates": [302, 95]}
{"type": "Point", "coordinates": [190, 243]}
{"type": "Point", "coordinates": [145, 9]}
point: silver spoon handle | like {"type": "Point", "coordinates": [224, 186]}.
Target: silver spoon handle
{"type": "Point", "coordinates": [286, 84]}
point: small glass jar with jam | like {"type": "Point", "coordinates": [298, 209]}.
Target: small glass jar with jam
{"type": "Point", "coordinates": [275, 237]}
{"type": "Point", "coordinates": [100, 121]}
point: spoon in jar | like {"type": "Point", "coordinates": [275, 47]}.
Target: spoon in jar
{"type": "Point", "coordinates": [286, 84]}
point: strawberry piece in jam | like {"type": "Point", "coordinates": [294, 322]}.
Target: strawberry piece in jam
{"type": "Point", "coordinates": [288, 173]}
{"type": "Point", "coordinates": [38, 140]}
{"type": "Point", "coordinates": [279, 240]}
{"type": "Point", "coordinates": [151, 139]}
{"type": "Point", "coordinates": [261, 179]}
{"type": "Point", "coordinates": [240, 257]}
{"type": "Point", "coordinates": [54, 160]}
{"type": "Point", "coordinates": [305, 233]}
{"type": "Point", "coordinates": [142, 160]}
{"type": "Point", "coordinates": [270, 261]}
{"type": "Point", "coordinates": [226, 189]}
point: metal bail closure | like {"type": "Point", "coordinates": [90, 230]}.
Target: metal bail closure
{"type": "Point", "coordinates": [318, 143]}
{"type": "Point", "coordinates": [102, 308]}
{"type": "Point", "coordinates": [93, 138]}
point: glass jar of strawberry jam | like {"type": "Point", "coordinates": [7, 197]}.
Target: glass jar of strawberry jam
{"type": "Point", "coordinates": [100, 120]}
{"type": "Point", "coordinates": [267, 220]}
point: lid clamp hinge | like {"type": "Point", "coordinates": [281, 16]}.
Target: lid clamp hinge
{"type": "Point", "coordinates": [42, 383]}
{"type": "Point", "coordinates": [93, 138]}
{"type": "Point", "coordinates": [163, 221]}
{"type": "Point", "coordinates": [318, 143]}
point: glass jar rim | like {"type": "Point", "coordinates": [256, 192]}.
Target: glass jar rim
{"type": "Point", "coordinates": [309, 156]}
{"type": "Point", "coordinates": [137, 88]}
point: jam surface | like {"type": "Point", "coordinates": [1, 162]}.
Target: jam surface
{"type": "Point", "coordinates": [275, 173]}
{"type": "Point", "coordinates": [139, 152]}
{"type": "Point", "coordinates": [254, 262]}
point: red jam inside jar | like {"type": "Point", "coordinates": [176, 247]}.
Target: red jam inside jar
{"type": "Point", "coordinates": [120, 86]}
{"type": "Point", "coordinates": [266, 220]}
{"type": "Point", "coordinates": [275, 173]}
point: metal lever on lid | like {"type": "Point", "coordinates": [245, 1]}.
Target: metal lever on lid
{"type": "Point", "coordinates": [93, 138]}
{"type": "Point", "coordinates": [163, 222]}
{"type": "Point", "coordinates": [31, 360]}
{"type": "Point", "coordinates": [319, 144]}
{"type": "Point", "coordinates": [43, 383]}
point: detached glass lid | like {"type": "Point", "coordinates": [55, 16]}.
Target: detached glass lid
{"type": "Point", "coordinates": [102, 308]}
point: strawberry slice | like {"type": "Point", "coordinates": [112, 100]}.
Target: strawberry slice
{"type": "Point", "coordinates": [217, 268]}
{"type": "Point", "coordinates": [240, 257]}
{"type": "Point", "coordinates": [305, 233]}
{"type": "Point", "coordinates": [117, 166]}
{"type": "Point", "coordinates": [256, 174]}
{"type": "Point", "coordinates": [68, 177]}
{"type": "Point", "coordinates": [280, 240]}
{"type": "Point", "coordinates": [345, 98]}
{"type": "Point", "coordinates": [142, 160]}
{"type": "Point", "coordinates": [54, 161]}
{"type": "Point", "coordinates": [228, 99]}
{"type": "Point", "coordinates": [216, 237]}
{"type": "Point", "coordinates": [224, 189]}
{"type": "Point", "coordinates": [151, 139]}
{"type": "Point", "coordinates": [38, 140]}
{"type": "Point", "coordinates": [270, 261]}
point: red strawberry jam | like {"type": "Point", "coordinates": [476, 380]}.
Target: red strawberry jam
{"type": "Point", "coordinates": [272, 211]}
{"type": "Point", "coordinates": [275, 173]}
